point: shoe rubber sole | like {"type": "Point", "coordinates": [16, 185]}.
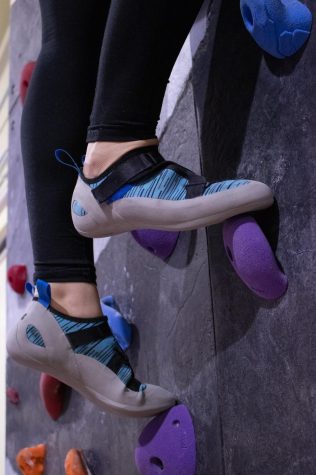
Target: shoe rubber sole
{"type": "Point", "coordinates": [105, 404]}
{"type": "Point", "coordinates": [129, 214]}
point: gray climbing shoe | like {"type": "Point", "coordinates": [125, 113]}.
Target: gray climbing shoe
{"type": "Point", "coordinates": [144, 191]}
{"type": "Point", "coordinates": [84, 355]}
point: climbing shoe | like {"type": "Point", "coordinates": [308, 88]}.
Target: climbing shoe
{"type": "Point", "coordinates": [83, 354]}
{"type": "Point", "coordinates": [144, 191]}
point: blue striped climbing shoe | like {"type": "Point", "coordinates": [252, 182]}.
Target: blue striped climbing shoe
{"type": "Point", "coordinates": [144, 191]}
{"type": "Point", "coordinates": [83, 354]}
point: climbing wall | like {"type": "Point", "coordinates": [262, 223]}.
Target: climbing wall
{"type": "Point", "coordinates": [168, 302]}
{"type": "Point", "coordinates": [257, 118]}
{"type": "Point", "coordinates": [243, 366]}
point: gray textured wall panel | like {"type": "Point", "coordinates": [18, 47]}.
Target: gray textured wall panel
{"type": "Point", "coordinates": [257, 119]}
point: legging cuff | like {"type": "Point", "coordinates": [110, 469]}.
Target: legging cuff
{"type": "Point", "coordinates": [65, 273]}
{"type": "Point", "coordinates": [120, 132]}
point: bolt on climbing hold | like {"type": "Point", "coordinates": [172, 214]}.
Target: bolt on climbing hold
{"type": "Point", "coordinates": [31, 460]}
{"type": "Point", "coordinates": [167, 444]}
{"type": "Point", "coordinates": [76, 463]}
{"type": "Point", "coordinates": [252, 257]}
{"type": "Point", "coordinates": [13, 395]}
{"type": "Point", "coordinates": [25, 79]}
{"type": "Point", "coordinates": [17, 275]}
{"type": "Point", "coordinates": [53, 395]}
{"type": "Point", "coordinates": [160, 243]}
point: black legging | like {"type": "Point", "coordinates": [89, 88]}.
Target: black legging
{"type": "Point", "coordinates": [117, 56]}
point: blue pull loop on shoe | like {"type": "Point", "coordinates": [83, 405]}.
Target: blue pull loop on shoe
{"type": "Point", "coordinates": [279, 27]}
{"type": "Point", "coordinates": [69, 162]}
{"type": "Point", "coordinates": [44, 293]}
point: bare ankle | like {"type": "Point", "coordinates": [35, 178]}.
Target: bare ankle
{"type": "Point", "coordinates": [77, 299]}
{"type": "Point", "coordinates": [101, 155]}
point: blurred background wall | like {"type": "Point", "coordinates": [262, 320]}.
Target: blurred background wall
{"type": "Point", "coordinates": [4, 139]}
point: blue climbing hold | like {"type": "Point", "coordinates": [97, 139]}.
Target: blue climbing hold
{"type": "Point", "coordinates": [121, 328]}
{"type": "Point", "coordinates": [279, 27]}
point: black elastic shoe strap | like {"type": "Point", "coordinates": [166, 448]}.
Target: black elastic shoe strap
{"type": "Point", "coordinates": [118, 359]}
{"type": "Point", "coordinates": [134, 384]}
{"type": "Point", "coordinates": [131, 168]}
{"type": "Point", "coordinates": [115, 363]}
{"type": "Point", "coordinates": [83, 337]}
{"type": "Point", "coordinates": [196, 186]}
{"type": "Point", "coordinates": [124, 171]}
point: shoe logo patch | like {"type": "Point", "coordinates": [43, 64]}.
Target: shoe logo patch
{"type": "Point", "coordinates": [34, 336]}
{"type": "Point", "coordinates": [78, 209]}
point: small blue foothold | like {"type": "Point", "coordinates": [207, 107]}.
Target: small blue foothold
{"type": "Point", "coordinates": [110, 302]}
{"type": "Point", "coordinates": [121, 328]}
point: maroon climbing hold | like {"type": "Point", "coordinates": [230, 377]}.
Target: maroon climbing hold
{"type": "Point", "coordinates": [17, 275]}
{"type": "Point", "coordinates": [53, 395]}
{"type": "Point", "coordinates": [26, 75]}
{"type": "Point", "coordinates": [13, 395]}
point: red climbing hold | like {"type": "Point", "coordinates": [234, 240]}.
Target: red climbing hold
{"type": "Point", "coordinates": [26, 75]}
{"type": "Point", "coordinates": [53, 394]}
{"type": "Point", "coordinates": [13, 395]}
{"type": "Point", "coordinates": [17, 275]}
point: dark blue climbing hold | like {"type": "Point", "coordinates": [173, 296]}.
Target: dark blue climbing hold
{"type": "Point", "coordinates": [121, 328]}
{"type": "Point", "coordinates": [167, 444]}
{"type": "Point", "coordinates": [278, 27]}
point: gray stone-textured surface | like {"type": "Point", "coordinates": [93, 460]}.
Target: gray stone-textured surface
{"type": "Point", "coordinates": [169, 304]}
{"type": "Point", "coordinates": [244, 367]}
{"type": "Point", "coordinates": [257, 119]}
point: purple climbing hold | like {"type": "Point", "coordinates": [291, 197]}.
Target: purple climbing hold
{"type": "Point", "coordinates": [159, 243]}
{"type": "Point", "coordinates": [167, 444]}
{"type": "Point", "coordinates": [252, 257]}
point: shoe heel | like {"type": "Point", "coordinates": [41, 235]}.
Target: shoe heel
{"type": "Point", "coordinates": [20, 356]}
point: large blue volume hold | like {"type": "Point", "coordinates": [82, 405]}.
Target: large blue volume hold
{"type": "Point", "coordinates": [279, 27]}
